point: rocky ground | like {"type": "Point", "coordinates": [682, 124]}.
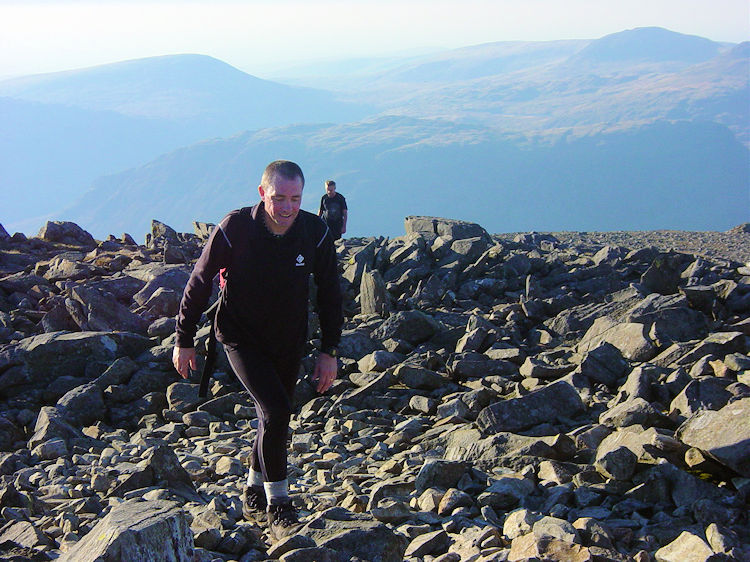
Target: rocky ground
{"type": "Point", "coordinates": [532, 396]}
{"type": "Point", "coordinates": [733, 244]}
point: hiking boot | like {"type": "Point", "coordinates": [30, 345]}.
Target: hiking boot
{"type": "Point", "coordinates": [254, 503]}
{"type": "Point", "coordinates": [282, 520]}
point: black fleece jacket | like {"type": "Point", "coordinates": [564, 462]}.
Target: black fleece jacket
{"type": "Point", "coordinates": [267, 284]}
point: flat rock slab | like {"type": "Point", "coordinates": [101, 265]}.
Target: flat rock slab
{"type": "Point", "coordinates": [629, 337]}
{"type": "Point", "coordinates": [467, 445]}
{"type": "Point", "coordinates": [47, 356]}
{"type": "Point", "coordinates": [412, 326]}
{"type": "Point", "coordinates": [106, 314]}
{"type": "Point", "coordinates": [531, 547]}
{"type": "Point", "coordinates": [438, 473]}
{"type": "Point", "coordinates": [428, 543]}
{"type": "Point", "coordinates": [437, 226]}
{"type": "Point", "coordinates": [559, 399]}
{"type": "Point", "coordinates": [22, 534]}
{"type": "Point", "coordinates": [709, 393]}
{"type": "Point", "coordinates": [356, 536]}
{"type": "Point", "coordinates": [67, 233]}
{"type": "Point", "coordinates": [355, 344]}
{"type": "Point", "coordinates": [723, 434]}
{"type": "Point", "coordinates": [135, 530]}
{"type": "Point", "coordinates": [685, 548]}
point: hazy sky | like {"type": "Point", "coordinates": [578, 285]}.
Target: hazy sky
{"type": "Point", "coordinates": [44, 36]}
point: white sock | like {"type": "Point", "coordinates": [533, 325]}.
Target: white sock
{"type": "Point", "coordinates": [254, 478]}
{"type": "Point", "coordinates": [277, 492]}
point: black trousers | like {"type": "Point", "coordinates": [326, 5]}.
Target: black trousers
{"type": "Point", "coordinates": [335, 229]}
{"type": "Point", "coordinates": [270, 382]}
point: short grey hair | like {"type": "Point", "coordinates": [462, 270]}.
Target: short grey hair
{"type": "Point", "coordinates": [284, 168]}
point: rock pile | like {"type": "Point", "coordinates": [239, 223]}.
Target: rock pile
{"type": "Point", "coordinates": [500, 399]}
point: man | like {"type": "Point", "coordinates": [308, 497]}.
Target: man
{"type": "Point", "coordinates": [333, 210]}
{"type": "Point", "coordinates": [266, 254]}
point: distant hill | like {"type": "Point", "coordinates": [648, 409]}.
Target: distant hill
{"type": "Point", "coordinates": [688, 176]}
{"type": "Point", "coordinates": [480, 61]}
{"type": "Point", "coordinates": [204, 91]}
{"type": "Point", "coordinates": [49, 153]}
{"type": "Point", "coordinates": [62, 130]}
{"type": "Point", "coordinates": [649, 44]}
{"type": "Point", "coordinates": [621, 80]}
{"type": "Point", "coordinates": [646, 111]}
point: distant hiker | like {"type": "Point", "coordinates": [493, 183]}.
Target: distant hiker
{"type": "Point", "coordinates": [266, 254]}
{"type": "Point", "coordinates": [333, 210]}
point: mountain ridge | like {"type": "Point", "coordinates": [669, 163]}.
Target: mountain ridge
{"type": "Point", "coordinates": [537, 109]}
{"type": "Point", "coordinates": [165, 87]}
{"type": "Point", "coordinates": [607, 181]}
{"type": "Point", "coordinates": [84, 128]}
{"type": "Point", "coordinates": [653, 44]}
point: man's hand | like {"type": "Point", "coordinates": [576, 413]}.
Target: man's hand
{"type": "Point", "coordinates": [326, 369]}
{"type": "Point", "coordinates": [182, 358]}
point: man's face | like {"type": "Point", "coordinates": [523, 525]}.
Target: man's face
{"type": "Point", "coordinates": [282, 199]}
{"type": "Point", "coordinates": [331, 190]}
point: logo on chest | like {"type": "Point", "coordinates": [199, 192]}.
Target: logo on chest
{"type": "Point", "coordinates": [300, 262]}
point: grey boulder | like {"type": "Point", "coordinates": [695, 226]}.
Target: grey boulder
{"type": "Point", "coordinates": [724, 434]}
{"type": "Point", "coordinates": [547, 404]}
{"type": "Point", "coordinates": [135, 530]}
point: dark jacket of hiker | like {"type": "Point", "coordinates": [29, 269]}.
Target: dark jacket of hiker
{"type": "Point", "coordinates": [267, 284]}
